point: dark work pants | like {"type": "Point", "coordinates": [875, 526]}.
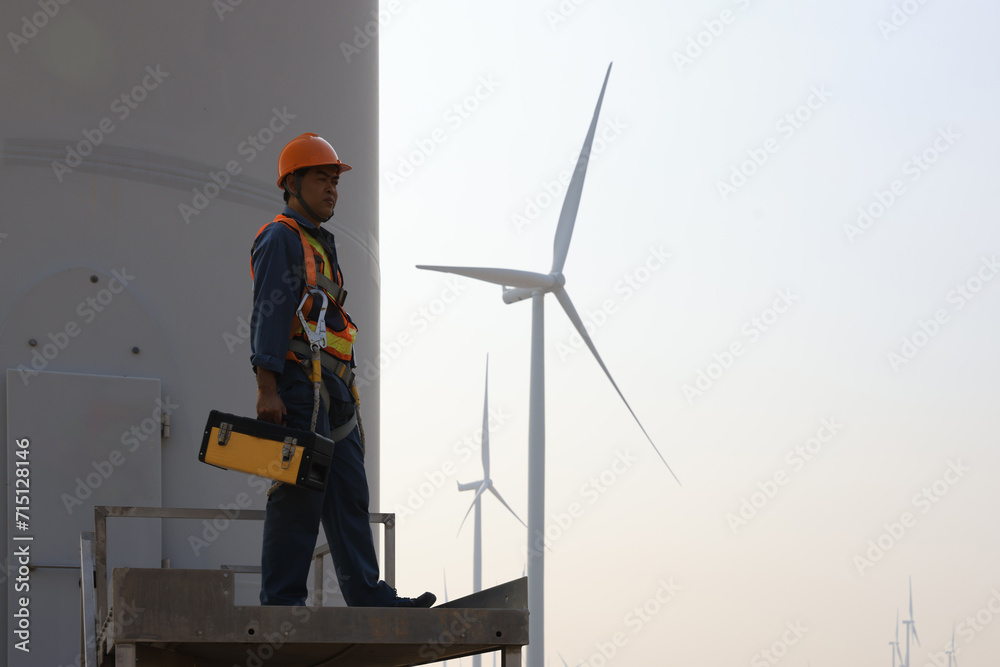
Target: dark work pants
{"type": "Point", "coordinates": [293, 514]}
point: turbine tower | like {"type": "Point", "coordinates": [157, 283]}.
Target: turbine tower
{"type": "Point", "coordinates": [480, 487]}
{"type": "Point", "coordinates": [525, 284]}
{"type": "Point", "coordinates": [910, 627]}
{"type": "Point", "coordinates": [895, 644]}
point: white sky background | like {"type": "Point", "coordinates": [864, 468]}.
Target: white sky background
{"type": "Point", "coordinates": [681, 131]}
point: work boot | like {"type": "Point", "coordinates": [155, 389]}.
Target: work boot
{"type": "Point", "coordinates": [425, 600]}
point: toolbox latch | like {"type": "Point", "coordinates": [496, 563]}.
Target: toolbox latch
{"type": "Point", "coordinates": [288, 451]}
{"type": "Point", "coordinates": [225, 429]}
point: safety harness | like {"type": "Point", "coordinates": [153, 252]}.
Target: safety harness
{"type": "Point", "coordinates": [317, 286]}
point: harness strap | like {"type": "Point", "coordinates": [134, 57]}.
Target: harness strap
{"type": "Point", "coordinates": [310, 264]}
{"type": "Point", "coordinates": [338, 293]}
{"type": "Point", "coordinates": [329, 362]}
{"type": "Point", "coordinates": [344, 430]}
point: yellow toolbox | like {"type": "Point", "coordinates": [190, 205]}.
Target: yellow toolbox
{"type": "Point", "coordinates": [260, 448]}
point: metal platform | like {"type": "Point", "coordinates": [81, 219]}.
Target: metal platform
{"type": "Point", "coordinates": [188, 618]}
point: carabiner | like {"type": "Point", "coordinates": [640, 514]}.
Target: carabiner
{"type": "Point", "coordinates": [317, 336]}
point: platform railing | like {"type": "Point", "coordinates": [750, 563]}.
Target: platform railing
{"type": "Point", "coordinates": [102, 512]}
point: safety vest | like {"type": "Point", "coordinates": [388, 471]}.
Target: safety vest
{"type": "Point", "coordinates": [340, 330]}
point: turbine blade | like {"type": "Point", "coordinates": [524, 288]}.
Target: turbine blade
{"type": "Point", "coordinates": [567, 305]}
{"type": "Point", "coordinates": [565, 664]}
{"type": "Point", "coordinates": [500, 498]}
{"type": "Point", "coordinates": [445, 574]}
{"type": "Point", "coordinates": [478, 493]}
{"type": "Point", "coordinates": [567, 216]}
{"type": "Point", "coordinates": [486, 423]}
{"type": "Point", "coordinates": [914, 626]}
{"type": "Point", "coordinates": [503, 277]}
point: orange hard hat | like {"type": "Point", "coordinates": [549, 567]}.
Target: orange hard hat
{"type": "Point", "coordinates": [307, 150]}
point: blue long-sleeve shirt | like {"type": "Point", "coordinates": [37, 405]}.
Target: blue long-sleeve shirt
{"type": "Point", "coordinates": [276, 258]}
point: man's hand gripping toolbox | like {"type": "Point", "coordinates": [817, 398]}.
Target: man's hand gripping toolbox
{"type": "Point", "coordinates": [277, 452]}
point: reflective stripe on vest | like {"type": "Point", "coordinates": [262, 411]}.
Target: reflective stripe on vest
{"type": "Point", "coordinates": [340, 332]}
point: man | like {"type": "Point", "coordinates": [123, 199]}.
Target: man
{"type": "Point", "coordinates": [291, 258]}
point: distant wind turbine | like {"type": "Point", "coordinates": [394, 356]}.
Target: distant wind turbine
{"type": "Point", "coordinates": [525, 284]}
{"type": "Point", "coordinates": [895, 644]}
{"type": "Point", "coordinates": [952, 660]}
{"type": "Point", "coordinates": [480, 487]}
{"type": "Point", "coordinates": [910, 627]}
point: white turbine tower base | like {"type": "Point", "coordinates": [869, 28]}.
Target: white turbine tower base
{"type": "Point", "coordinates": [524, 284]}
{"type": "Point", "coordinates": [480, 487]}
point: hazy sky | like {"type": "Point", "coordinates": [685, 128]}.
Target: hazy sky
{"type": "Point", "coordinates": [786, 247]}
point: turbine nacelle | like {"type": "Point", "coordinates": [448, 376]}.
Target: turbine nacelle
{"type": "Point", "coordinates": [515, 294]}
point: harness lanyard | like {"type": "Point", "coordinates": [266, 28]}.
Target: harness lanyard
{"type": "Point", "coordinates": [317, 341]}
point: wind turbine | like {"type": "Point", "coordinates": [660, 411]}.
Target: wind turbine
{"type": "Point", "coordinates": [910, 627]}
{"type": "Point", "coordinates": [522, 285]}
{"type": "Point", "coordinates": [951, 652]}
{"type": "Point", "coordinates": [480, 487]}
{"type": "Point", "coordinates": [895, 644]}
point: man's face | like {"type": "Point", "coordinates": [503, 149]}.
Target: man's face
{"type": "Point", "coordinates": [319, 189]}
